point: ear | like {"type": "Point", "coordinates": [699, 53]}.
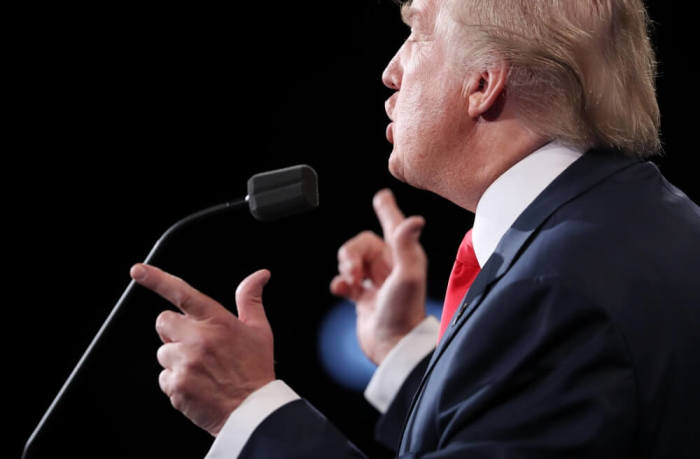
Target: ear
{"type": "Point", "coordinates": [482, 89]}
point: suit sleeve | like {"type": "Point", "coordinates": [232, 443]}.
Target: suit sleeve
{"type": "Point", "coordinates": [390, 391]}
{"type": "Point", "coordinates": [388, 428]}
{"type": "Point", "coordinates": [298, 430]}
{"type": "Point", "coordinates": [243, 421]}
{"type": "Point", "coordinates": [295, 431]}
{"type": "Point", "coordinates": [539, 370]}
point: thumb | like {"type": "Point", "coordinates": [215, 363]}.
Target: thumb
{"type": "Point", "coordinates": [249, 297]}
{"type": "Point", "coordinates": [404, 243]}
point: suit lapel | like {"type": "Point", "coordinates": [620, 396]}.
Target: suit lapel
{"type": "Point", "coordinates": [589, 170]}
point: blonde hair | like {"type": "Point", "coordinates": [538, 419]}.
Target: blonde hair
{"type": "Point", "coordinates": [582, 71]}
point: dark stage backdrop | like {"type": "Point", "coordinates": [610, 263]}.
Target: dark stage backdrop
{"type": "Point", "coordinates": [131, 116]}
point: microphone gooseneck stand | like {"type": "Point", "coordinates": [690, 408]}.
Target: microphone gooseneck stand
{"type": "Point", "coordinates": [166, 236]}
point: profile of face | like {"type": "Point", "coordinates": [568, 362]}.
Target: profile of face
{"type": "Point", "coordinates": [428, 111]}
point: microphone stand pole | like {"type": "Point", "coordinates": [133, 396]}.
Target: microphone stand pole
{"type": "Point", "coordinates": [160, 243]}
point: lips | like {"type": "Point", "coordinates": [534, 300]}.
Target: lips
{"type": "Point", "coordinates": [389, 105]}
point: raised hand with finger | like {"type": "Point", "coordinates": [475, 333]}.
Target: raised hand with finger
{"type": "Point", "coordinates": [385, 277]}
{"type": "Point", "coordinates": [212, 360]}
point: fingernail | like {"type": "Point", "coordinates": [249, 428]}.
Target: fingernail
{"type": "Point", "coordinates": [137, 272]}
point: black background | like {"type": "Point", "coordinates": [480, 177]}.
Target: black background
{"type": "Point", "coordinates": [124, 118]}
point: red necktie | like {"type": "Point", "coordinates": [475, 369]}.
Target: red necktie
{"type": "Point", "coordinates": [464, 271]}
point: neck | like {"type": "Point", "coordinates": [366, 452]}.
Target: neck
{"type": "Point", "coordinates": [493, 148]}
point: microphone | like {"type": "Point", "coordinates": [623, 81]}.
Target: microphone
{"type": "Point", "coordinates": [283, 192]}
{"type": "Point", "coordinates": [272, 195]}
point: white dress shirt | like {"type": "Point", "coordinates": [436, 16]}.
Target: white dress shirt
{"type": "Point", "coordinates": [501, 204]}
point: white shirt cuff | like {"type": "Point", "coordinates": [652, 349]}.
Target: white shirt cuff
{"type": "Point", "coordinates": [399, 362]}
{"type": "Point", "coordinates": [247, 417]}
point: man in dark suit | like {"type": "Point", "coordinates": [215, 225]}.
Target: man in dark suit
{"type": "Point", "coordinates": [571, 317]}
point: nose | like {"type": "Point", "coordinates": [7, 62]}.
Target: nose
{"type": "Point", "coordinates": [391, 77]}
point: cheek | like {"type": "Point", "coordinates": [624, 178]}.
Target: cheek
{"type": "Point", "coordinates": [422, 131]}
{"type": "Point", "coordinates": [426, 127]}
{"type": "Point", "coordinates": [429, 109]}
{"type": "Point", "coordinates": [415, 119]}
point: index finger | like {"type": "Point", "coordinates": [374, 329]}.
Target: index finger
{"type": "Point", "coordinates": [188, 299]}
{"type": "Point", "coordinates": [388, 212]}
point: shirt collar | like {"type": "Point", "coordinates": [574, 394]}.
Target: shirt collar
{"type": "Point", "coordinates": [511, 193]}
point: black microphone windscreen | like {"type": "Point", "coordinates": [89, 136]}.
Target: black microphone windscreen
{"type": "Point", "coordinates": [283, 192]}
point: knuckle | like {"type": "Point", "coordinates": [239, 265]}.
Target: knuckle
{"type": "Point", "coordinates": [178, 401]}
{"type": "Point", "coordinates": [163, 320]}
{"type": "Point", "coordinates": [346, 267]}
{"type": "Point", "coordinates": [190, 366]}
{"type": "Point", "coordinates": [400, 243]}
{"type": "Point", "coordinates": [343, 251]}
{"type": "Point", "coordinates": [182, 298]}
{"type": "Point", "coordinates": [359, 245]}
{"type": "Point", "coordinates": [199, 347]}
{"type": "Point", "coordinates": [163, 382]}
{"type": "Point", "coordinates": [366, 236]}
{"type": "Point", "coordinates": [180, 383]}
{"type": "Point", "coordinates": [160, 355]}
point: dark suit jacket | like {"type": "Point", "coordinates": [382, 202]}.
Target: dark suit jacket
{"type": "Point", "coordinates": [579, 338]}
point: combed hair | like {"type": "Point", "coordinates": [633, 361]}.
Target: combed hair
{"type": "Point", "coordinates": [582, 71]}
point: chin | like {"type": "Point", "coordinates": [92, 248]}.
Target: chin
{"type": "Point", "coordinates": [401, 173]}
{"type": "Point", "coordinates": [395, 166]}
